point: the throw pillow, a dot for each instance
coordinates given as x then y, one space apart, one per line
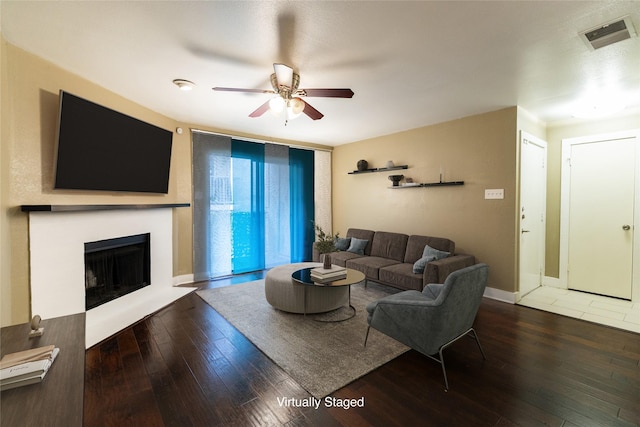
429 251
428 254
357 246
421 264
342 243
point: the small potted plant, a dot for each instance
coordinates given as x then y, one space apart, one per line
324 244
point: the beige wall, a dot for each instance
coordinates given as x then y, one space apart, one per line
555 134
480 150
30 88
5 257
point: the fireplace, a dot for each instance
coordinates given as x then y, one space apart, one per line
116 267
57 266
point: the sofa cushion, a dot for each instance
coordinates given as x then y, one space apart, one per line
369 265
341 258
363 234
342 243
357 246
401 276
389 245
416 245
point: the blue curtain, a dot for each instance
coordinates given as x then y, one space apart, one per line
301 175
253 205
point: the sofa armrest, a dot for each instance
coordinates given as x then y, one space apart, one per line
437 271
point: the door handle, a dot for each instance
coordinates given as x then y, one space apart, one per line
525 231
626 227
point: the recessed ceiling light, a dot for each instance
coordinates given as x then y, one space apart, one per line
184 84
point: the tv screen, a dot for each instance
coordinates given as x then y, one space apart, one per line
102 149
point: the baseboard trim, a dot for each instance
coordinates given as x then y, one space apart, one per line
500 295
183 279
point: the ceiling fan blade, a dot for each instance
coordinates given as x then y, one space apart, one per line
284 74
312 112
234 89
260 110
326 93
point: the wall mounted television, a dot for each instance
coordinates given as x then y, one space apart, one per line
102 149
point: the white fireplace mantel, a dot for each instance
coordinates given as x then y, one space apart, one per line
57 235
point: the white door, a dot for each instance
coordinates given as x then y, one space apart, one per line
601 215
533 190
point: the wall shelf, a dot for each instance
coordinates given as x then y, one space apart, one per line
428 184
395 168
82 208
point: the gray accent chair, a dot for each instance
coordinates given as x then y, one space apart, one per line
431 320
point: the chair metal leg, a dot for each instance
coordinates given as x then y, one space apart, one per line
444 371
440 360
475 337
366 336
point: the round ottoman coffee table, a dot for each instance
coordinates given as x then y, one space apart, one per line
286 295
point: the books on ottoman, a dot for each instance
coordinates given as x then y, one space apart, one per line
324 275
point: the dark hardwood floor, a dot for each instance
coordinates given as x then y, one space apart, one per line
187 366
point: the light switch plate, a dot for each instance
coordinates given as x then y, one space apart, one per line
494 193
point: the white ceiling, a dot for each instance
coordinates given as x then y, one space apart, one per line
410 64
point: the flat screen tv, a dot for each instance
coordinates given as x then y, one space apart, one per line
102 149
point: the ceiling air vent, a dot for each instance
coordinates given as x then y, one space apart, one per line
609 33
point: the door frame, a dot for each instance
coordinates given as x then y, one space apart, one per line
565 190
529 138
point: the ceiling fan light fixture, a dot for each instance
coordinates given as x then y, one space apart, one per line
183 84
276 104
295 107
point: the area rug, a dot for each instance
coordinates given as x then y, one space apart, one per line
321 357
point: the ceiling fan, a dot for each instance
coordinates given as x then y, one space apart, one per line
285 85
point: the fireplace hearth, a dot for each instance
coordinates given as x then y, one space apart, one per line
116 267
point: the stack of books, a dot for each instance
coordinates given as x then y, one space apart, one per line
26 367
326 275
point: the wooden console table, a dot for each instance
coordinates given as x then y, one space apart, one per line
58 399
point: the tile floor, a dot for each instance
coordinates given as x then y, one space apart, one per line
593 308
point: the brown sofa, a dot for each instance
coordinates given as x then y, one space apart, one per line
389 258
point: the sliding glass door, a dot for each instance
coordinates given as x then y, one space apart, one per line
253 205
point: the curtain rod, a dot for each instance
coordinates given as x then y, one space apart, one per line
261 141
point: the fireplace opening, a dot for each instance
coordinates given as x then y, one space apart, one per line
116 267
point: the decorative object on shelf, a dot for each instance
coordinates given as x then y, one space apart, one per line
379 169
390 164
363 165
396 179
408 180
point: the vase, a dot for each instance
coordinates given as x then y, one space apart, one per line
362 165
396 179
326 261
